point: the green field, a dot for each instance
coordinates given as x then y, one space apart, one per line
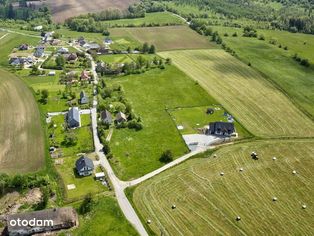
208 203
277 64
105 219
150 94
194 118
11 41
165 38
254 102
22 137
161 18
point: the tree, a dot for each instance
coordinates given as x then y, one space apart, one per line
44 96
166 157
106 148
145 48
60 61
87 204
70 139
152 49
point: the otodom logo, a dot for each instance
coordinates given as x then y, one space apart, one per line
32 222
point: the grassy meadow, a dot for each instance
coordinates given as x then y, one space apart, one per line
105 219
151 94
208 203
277 64
22 138
255 102
161 18
165 38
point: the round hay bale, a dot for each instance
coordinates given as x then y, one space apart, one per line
174 206
274 199
294 172
222 173
238 218
241 169
215 156
303 206
149 221
274 158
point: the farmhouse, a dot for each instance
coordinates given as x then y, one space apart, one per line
84 166
71 57
25 61
74 118
106 117
63 50
41 221
221 128
83 98
84 75
23 47
121 117
39 51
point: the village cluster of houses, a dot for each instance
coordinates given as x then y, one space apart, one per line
29 60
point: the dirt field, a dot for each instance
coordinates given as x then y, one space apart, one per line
63 9
255 103
166 38
22 138
208 203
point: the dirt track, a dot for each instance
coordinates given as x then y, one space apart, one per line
63 9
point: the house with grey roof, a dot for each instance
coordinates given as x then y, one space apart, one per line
84 166
39 51
221 128
121 117
106 117
83 98
74 118
38 222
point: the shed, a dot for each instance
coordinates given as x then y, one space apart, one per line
83 98
100 176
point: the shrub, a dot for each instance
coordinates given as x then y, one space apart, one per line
87 204
166 157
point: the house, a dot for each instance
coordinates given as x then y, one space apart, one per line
91 46
221 128
84 75
72 57
55 42
39 51
63 50
84 166
25 61
81 41
74 118
106 117
38 222
108 41
121 117
83 98
23 47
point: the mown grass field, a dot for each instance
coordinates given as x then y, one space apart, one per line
105 219
161 18
296 80
138 153
165 38
11 41
22 137
255 102
208 203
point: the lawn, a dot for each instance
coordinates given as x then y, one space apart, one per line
115 58
277 64
22 137
105 219
160 18
151 94
165 38
246 94
208 203
194 118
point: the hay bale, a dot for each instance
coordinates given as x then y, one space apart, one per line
274 199
215 155
222 173
149 221
303 206
174 206
274 158
241 169
294 172
238 218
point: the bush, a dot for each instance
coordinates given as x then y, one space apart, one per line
261 37
106 148
87 204
305 62
166 157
